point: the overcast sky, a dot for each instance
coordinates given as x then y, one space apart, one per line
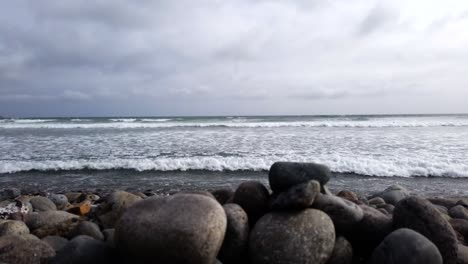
209 57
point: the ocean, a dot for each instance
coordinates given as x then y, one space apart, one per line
426 153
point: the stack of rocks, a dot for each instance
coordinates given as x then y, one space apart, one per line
297 220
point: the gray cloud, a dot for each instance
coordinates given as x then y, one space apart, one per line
217 57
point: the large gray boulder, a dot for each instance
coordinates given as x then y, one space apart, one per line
12 227
24 250
345 214
406 246
393 194
36 220
459 212
60 200
306 237
114 205
420 215
234 248
85 250
182 228
297 197
253 197
87 228
284 175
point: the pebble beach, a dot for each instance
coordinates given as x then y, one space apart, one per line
290 217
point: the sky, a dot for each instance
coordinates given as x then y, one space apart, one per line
243 57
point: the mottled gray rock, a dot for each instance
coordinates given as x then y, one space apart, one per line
297 197
387 207
223 195
376 201
60 200
41 204
345 214
342 252
24 250
459 212
460 226
12 227
284 175
182 228
114 205
306 237
253 197
36 220
406 246
9 193
348 195
234 248
420 215
446 202
87 228
85 250
56 242
393 194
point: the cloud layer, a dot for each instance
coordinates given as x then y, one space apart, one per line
214 57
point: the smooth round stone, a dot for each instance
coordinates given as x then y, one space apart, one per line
182 228
348 195
441 209
84 250
376 201
24 250
234 248
306 237
11 227
223 195
345 214
370 231
460 226
342 252
60 200
462 254
114 205
420 215
253 197
36 220
459 212
87 228
406 246
447 203
284 175
387 207
393 194
41 204
298 197
56 242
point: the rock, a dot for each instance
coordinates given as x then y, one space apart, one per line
253 197
376 201
13 210
109 212
441 209
447 203
63 229
459 212
234 248
298 197
84 250
284 175
41 204
348 195
387 207
9 194
182 228
342 252
370 231
223 195
393 194
109 236
460 226
306 236
11 227
60 200
345 214
462 254
24 250
73 197
87 228
420 215
55 242
36 220
463 202
406 246
81 209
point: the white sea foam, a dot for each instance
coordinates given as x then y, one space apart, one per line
364 166
155 119
123 119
